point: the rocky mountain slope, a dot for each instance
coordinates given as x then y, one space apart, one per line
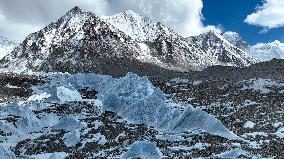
261 51
6 46
83 42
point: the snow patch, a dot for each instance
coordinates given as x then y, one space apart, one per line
249 125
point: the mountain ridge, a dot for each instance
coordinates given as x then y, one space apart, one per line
261 51
80 41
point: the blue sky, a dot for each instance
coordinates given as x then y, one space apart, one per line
230 14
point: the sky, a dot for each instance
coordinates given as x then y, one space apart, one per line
255 20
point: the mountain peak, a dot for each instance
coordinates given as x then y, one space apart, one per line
213 32
75 10
134 25
131 13
277 42
236 40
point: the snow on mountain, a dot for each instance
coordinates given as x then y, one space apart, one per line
136 26
261 51
268 51
221 51
78 41
163 44
159 44
6 46
236 40
83 42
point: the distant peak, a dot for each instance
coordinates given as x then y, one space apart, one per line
212 33
75 9
276 42
131 13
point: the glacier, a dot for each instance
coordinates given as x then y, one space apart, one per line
133 98
142 150
137 100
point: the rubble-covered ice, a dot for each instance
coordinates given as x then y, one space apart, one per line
132 97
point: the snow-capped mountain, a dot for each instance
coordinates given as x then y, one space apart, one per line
164 44
236 40
221 51
261 51
268 51
80 41
6 46
138 27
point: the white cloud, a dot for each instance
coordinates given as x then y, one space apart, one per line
270 15
183 16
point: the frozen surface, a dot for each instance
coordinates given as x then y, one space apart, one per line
72 138
5 153
137 100
132 97
68 124
142 150
280 132
68 93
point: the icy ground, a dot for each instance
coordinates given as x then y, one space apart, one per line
89 115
